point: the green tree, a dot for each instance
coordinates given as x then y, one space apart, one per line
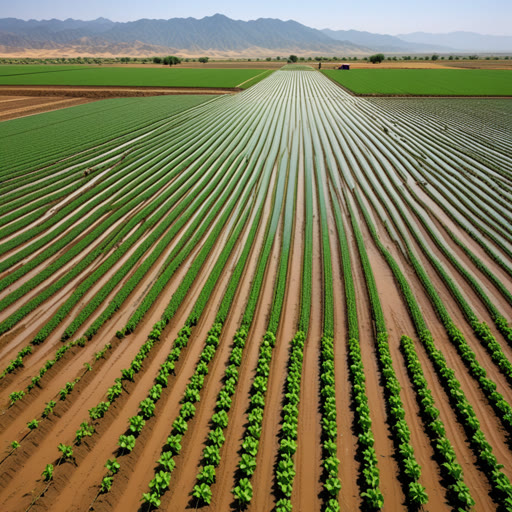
171 60
157 60
434 57
377 58
293 58
203 60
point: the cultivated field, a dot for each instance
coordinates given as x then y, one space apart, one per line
287 298
425 82
129 76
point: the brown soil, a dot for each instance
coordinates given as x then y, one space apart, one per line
422 64
62 96
27 106
402 64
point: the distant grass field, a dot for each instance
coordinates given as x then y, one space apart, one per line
296 67
429 82
136 77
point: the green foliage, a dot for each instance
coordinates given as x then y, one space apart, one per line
126 442
160 482
106 484
84 430
66 451
99 410
243 492
152 499
137 423
15 396
112 466
431 82
33 424
203 493
147 408
377 58
47 474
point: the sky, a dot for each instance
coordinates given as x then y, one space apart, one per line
380 16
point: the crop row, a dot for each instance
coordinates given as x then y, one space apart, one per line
410 469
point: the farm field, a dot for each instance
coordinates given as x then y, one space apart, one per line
130 76
287 298
425 82
12 107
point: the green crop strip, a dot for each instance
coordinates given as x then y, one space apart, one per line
425 82
447 376
411 470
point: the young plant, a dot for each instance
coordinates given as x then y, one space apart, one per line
243 492
106 484
203 493
66 450
47 474
112 466
126 442
33 424
136 424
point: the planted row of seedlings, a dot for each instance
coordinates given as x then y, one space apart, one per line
500 405
84 286
446 375
370 492
330 461
409 467
247 465
147 406
192 393
202 491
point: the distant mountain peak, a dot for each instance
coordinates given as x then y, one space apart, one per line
223 36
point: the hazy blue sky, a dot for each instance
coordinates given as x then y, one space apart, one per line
382 16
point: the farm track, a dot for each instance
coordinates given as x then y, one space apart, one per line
224 216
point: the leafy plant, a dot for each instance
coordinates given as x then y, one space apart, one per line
160 482
203 493
152 499
84 430
47 474
33 424
99 411
137 424
167 461
15 396
106 484
66 450
243 491
126 442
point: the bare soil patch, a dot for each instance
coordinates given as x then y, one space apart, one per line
22 106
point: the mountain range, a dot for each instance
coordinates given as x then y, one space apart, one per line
220 36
